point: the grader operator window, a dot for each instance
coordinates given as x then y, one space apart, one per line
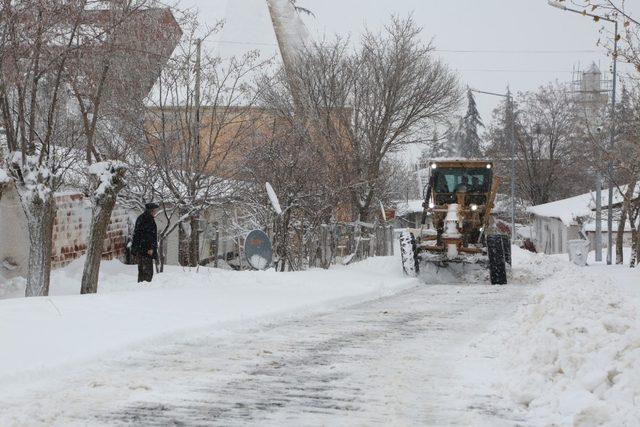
474 182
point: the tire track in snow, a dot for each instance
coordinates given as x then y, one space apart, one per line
392 361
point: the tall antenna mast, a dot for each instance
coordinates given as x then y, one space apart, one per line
290 31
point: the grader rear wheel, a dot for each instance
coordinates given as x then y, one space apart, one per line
497 261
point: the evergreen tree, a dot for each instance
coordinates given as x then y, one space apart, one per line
435 149
470 144
451 146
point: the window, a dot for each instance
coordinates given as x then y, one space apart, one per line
475 182
449 180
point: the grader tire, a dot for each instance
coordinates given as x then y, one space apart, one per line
497 261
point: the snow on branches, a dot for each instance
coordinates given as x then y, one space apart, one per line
110 176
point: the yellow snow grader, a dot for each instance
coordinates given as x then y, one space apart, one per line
457 229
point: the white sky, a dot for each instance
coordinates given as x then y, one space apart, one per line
520 43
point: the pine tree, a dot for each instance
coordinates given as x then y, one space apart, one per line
451 143
470 144
435 149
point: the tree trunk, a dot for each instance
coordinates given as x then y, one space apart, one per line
194 242
100 218
327 249
620 235
103 203
183 245
635 238
635 249
626 206
161 254
40 216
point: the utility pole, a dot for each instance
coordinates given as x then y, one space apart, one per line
194 240
611 145
510 130
197 103
598 18
598 216
512 136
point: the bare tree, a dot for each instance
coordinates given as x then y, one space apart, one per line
199 121
629 37
110 80
550 152
368 104
38 39
294 165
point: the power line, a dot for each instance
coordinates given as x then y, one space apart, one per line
500 51
528 52
500 70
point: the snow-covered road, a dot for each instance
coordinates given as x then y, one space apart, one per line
397 360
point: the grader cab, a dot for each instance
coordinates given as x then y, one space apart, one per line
457 227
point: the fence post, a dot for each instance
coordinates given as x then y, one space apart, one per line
382 236
389 240
326 251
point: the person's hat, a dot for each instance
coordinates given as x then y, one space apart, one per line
151 205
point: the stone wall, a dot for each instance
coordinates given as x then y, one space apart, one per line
71 228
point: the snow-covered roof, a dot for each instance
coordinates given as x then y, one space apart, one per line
570 210
458 159
410 206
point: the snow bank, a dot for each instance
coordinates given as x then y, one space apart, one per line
572 353
39 333
4 177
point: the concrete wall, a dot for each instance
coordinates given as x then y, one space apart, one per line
14 240
550 235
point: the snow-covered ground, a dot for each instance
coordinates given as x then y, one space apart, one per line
67 328
357 345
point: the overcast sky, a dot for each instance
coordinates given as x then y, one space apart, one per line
491 43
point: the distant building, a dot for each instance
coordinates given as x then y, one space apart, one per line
555 223
591 92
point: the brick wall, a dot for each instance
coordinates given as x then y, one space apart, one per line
71 228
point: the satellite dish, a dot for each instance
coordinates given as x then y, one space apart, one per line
258 250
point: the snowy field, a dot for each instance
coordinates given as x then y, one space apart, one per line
357 345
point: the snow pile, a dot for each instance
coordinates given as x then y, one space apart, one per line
572 354
4 177
66 328
258 262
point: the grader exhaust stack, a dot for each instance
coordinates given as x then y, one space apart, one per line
457 226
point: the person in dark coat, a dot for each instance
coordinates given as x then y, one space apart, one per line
145 242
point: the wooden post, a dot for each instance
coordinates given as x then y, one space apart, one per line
217 244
